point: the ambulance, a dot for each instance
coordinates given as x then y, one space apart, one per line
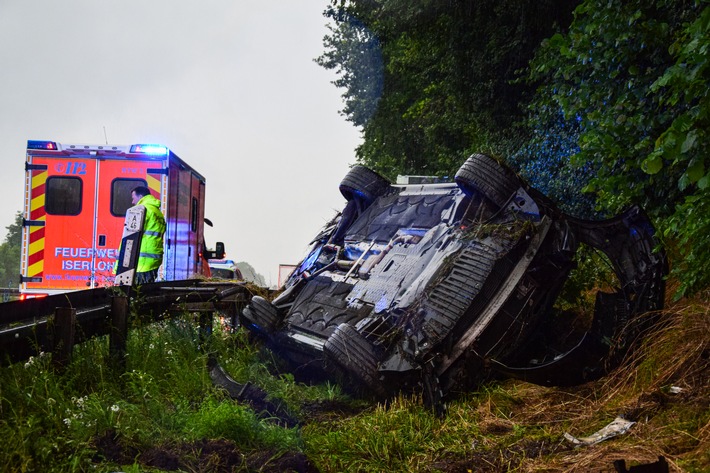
76 197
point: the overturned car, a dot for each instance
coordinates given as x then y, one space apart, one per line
436 287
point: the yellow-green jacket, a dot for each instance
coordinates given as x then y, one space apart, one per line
151 250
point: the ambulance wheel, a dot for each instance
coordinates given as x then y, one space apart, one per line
363 183
350 350
483 174
262 314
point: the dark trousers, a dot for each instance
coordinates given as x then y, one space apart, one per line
146 277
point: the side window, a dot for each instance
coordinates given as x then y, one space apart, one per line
121 195
193 216
63 195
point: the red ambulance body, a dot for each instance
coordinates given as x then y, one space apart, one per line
76 197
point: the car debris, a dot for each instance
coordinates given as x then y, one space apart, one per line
618 426
435 287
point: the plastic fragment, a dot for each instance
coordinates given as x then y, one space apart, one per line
618 427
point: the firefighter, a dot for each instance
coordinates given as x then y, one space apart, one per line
150 255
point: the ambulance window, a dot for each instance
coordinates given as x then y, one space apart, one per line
63 196
121 195
193 216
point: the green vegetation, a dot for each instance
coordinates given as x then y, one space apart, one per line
635 76
10 254
163 413
598 104
432 82
91 414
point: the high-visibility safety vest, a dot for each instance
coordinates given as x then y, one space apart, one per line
150 256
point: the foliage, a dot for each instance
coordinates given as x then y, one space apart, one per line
617 98
642 109
164 402
400 437
355 55
445 72
592 271
10 253
544 162
53 421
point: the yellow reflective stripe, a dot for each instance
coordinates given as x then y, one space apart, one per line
37 202
36 246
35 269
39 179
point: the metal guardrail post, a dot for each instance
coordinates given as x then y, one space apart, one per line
119 330
63 335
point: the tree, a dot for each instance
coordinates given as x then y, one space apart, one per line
643 112
615 104
355 55
445 74
10 253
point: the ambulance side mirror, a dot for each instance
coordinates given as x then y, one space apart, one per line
217 253
219 250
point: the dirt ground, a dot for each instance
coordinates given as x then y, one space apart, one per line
214 456
217 456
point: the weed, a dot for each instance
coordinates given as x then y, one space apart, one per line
162 413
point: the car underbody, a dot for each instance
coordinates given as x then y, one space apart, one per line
434 288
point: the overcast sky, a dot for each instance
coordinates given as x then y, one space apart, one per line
229 85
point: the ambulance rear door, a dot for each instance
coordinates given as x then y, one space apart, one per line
58 227
117 177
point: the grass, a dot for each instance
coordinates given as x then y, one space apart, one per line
51 421
163 413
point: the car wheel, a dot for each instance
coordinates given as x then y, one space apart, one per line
262 313
364 183
481 173
349 349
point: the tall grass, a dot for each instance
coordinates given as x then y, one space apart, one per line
664 387
67 421
52 421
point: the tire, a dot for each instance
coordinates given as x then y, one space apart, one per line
483 174
350 350
262 314
364 183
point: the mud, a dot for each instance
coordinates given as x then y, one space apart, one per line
214 456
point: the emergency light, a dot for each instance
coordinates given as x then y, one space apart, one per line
157 150
37 144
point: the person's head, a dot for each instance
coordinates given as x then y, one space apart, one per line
138 193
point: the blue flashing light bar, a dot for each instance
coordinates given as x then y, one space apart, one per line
154 150
38 144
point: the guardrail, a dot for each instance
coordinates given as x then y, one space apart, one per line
56 323
9 293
